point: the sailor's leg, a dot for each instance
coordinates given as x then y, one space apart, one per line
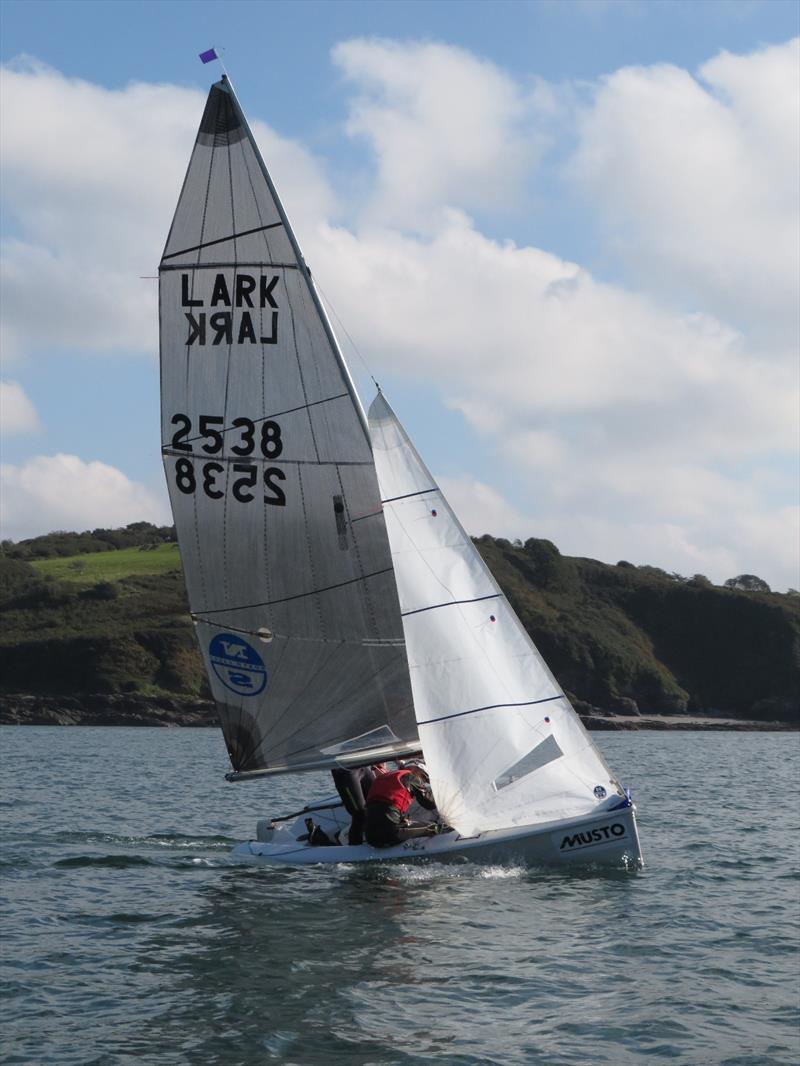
356 832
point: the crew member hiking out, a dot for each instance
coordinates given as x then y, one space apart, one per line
388 801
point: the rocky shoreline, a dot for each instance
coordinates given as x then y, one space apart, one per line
106 709
127 709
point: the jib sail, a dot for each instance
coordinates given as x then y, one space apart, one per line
502 744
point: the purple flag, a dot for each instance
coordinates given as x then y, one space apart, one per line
208 56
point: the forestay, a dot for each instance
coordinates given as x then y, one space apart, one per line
502 744
271 478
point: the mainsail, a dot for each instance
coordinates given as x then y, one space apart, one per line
272 479
502 744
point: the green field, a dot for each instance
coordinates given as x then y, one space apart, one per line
88 569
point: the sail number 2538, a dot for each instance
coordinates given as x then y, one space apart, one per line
242 480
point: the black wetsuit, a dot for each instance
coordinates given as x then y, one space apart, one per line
353 786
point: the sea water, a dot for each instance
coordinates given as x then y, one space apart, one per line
130 936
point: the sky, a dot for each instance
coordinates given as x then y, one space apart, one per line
564 236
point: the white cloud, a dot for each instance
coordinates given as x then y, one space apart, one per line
91 177
446 128
482 509
696 180
720 542
63 492
17 413
525 343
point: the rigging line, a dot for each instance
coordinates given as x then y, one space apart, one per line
343 327
221 240
299 595
491 707
451 603
408 495
361 517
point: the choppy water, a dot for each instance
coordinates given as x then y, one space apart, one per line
129 935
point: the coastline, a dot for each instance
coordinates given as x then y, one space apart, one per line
174 711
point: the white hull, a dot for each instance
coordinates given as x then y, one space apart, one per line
608 838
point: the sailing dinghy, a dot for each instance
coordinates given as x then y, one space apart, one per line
343 614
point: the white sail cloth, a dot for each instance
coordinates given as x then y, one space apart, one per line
502 744
271 478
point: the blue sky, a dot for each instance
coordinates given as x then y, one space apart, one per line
604 351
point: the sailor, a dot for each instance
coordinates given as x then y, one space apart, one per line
353 785
388 801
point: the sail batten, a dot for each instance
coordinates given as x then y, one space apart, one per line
268 464
222 240
490 707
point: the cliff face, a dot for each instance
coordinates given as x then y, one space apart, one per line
622 640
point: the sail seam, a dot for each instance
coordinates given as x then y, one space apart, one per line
246 163
491 707
221 240
197 541
408 495
301 375
265 522
368 642
216 457
227 264
451 603
300 595
357 550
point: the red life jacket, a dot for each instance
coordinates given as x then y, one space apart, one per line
390 790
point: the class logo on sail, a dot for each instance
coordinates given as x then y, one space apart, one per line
238 666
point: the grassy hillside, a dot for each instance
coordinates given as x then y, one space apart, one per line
132 634
621 639
87 570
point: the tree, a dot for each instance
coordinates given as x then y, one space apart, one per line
747 583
